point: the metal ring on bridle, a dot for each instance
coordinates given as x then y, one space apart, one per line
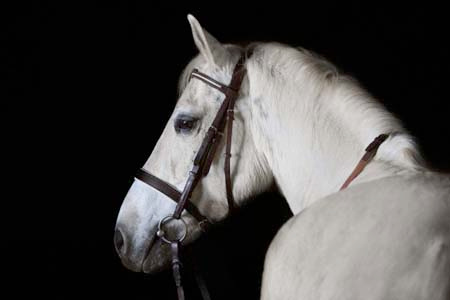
161 233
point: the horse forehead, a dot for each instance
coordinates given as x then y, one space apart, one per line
199 93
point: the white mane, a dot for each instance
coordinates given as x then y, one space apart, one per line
326 118
332 249
322 91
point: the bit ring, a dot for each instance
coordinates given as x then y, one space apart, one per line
161 233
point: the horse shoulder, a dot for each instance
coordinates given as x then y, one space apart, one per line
384 239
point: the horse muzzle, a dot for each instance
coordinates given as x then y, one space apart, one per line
134 256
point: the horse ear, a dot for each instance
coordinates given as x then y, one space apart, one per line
209 47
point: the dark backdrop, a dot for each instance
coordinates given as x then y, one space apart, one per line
89 87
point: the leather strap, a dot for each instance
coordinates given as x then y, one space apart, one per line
228 183
170 192
176 269
187 192
225 115
235 84
157 183
214 144
209 81
371 150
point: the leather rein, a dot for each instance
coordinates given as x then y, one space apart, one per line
202 163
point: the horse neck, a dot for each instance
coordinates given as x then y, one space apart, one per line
313 129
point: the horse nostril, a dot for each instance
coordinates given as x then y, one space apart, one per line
118 241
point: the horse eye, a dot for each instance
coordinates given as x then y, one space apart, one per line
185 124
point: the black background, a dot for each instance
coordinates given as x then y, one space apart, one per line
89 87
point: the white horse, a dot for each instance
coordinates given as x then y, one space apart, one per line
302 125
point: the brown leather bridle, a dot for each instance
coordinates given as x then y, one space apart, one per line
203 160
202 164
207 150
